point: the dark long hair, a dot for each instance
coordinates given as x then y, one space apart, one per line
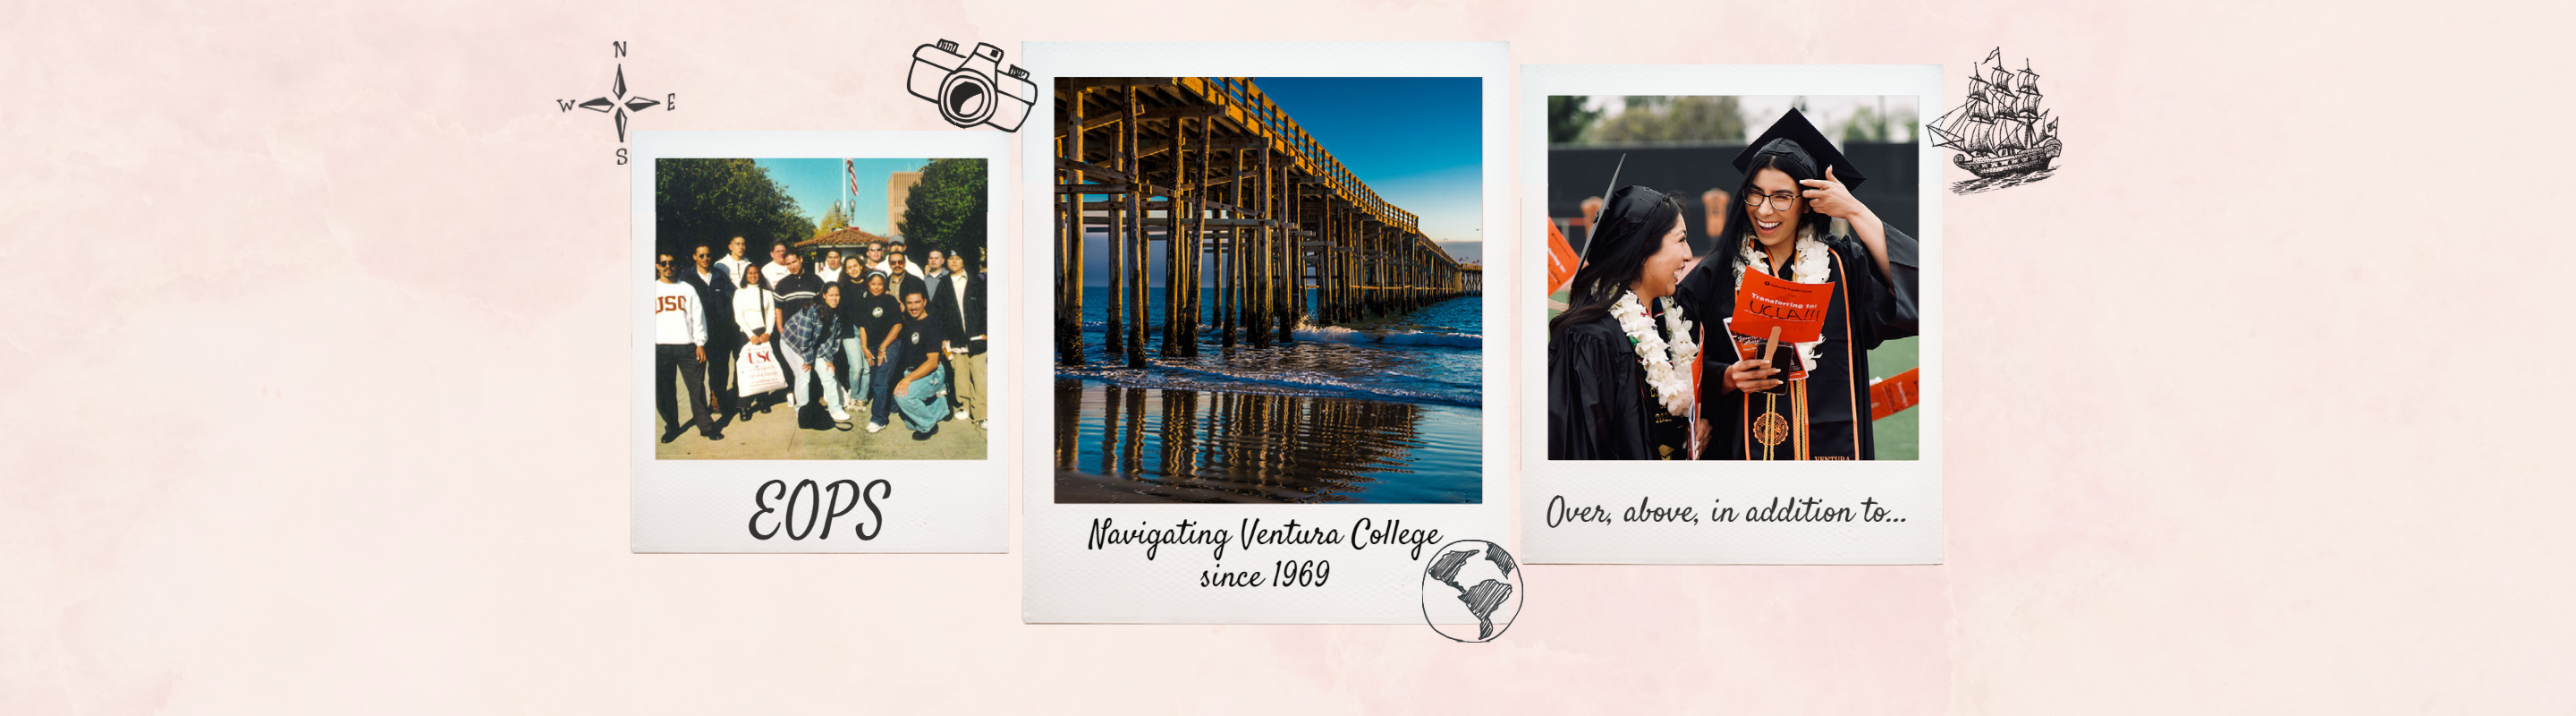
1631 229
1739 222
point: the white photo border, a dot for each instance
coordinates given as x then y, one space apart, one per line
1065 583
947 506
1914 486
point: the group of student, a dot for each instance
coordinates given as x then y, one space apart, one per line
871 329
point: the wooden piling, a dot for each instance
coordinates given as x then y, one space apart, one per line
1265 242
1135 249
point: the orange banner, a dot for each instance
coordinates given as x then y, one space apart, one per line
1560 259
1798 309
1893 395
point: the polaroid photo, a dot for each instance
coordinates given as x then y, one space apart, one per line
1675 202
1267 333
821 323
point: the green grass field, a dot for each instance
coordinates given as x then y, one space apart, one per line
1899 437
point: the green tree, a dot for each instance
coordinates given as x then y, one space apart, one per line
1674 119
1865 125
1567 118
948 210
710 201
833 220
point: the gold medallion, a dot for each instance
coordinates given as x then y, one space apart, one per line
1770 429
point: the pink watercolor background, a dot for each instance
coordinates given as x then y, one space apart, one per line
315 387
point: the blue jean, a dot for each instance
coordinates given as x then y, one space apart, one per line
880 384
923 405
856 374
927 402
797 375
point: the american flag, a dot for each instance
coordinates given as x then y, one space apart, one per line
850 170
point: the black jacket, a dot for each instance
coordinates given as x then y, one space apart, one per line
960 325
718 298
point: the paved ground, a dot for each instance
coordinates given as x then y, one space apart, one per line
774 436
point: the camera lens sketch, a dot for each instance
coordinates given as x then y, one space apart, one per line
972 89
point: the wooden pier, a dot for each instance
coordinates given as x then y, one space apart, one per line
1242 200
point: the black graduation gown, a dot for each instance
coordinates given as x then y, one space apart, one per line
1868 309
1598 404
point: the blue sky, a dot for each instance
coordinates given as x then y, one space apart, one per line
1417 141
816 183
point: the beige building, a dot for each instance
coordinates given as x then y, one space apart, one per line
898 188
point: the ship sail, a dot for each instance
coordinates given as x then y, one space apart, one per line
2027 85
2001 115
2000 128
1944 131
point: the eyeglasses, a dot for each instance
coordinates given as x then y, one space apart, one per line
1779 202
661 262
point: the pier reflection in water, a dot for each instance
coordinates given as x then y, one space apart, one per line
1125 444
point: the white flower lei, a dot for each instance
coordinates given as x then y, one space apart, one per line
1808 261
1672 387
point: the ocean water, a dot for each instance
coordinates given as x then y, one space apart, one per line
1387 409
1117 444
1432 355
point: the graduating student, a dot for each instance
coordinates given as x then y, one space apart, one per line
1618 358
679 351
1796 182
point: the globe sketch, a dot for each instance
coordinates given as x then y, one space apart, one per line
1471 582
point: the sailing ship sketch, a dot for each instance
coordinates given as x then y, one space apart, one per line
2001 133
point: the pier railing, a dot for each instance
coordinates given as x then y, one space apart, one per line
1244 201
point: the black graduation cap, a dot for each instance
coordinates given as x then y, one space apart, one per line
1794 137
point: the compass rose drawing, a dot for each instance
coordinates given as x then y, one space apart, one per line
610 104
618 103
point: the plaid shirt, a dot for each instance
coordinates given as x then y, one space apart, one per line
816 335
